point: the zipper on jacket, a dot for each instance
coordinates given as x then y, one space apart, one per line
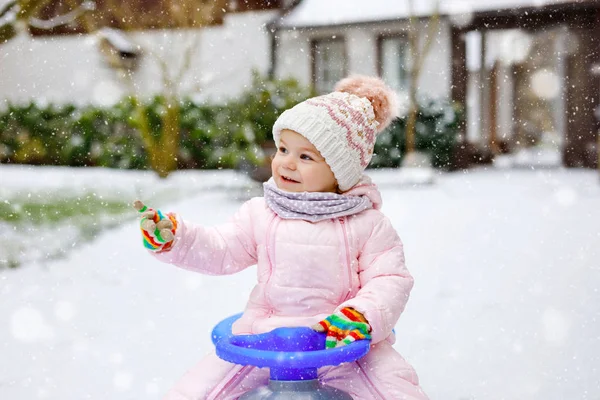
342 221
370 385
237 377
270 248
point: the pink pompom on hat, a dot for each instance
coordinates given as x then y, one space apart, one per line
344 124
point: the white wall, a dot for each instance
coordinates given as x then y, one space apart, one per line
293 53
505 102
293 56
436 77
362 51
71 69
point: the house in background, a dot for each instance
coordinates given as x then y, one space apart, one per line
526 71
66 65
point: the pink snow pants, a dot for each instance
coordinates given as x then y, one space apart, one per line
381 375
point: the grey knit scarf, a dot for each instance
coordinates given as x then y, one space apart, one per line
312 206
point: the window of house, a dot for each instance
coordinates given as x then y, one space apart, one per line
329 63
394 62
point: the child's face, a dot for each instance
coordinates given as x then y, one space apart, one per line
299 167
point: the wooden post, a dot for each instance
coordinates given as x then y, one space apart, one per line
596 82
484 93
493 109
582 100
459 74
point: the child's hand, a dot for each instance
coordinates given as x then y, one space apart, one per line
158 230
344 327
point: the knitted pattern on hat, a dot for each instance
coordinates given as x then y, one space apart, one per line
342 126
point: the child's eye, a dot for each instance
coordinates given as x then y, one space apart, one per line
282 149
306 157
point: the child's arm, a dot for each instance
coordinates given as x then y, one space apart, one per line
385 281
219 250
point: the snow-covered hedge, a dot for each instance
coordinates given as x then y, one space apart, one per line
436 132
212 136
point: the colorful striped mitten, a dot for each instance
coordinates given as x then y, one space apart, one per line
344 327
158 229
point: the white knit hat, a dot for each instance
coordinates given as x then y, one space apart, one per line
343 125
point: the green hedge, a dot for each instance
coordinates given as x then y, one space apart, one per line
212 136
436 131
67 135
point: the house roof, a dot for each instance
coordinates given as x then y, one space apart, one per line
5 3
140 14
8 12
320 13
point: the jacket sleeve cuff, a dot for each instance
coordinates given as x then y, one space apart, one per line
169 256
374 317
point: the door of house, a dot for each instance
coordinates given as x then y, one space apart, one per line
539 120
516 102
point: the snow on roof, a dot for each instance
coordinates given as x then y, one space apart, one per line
118 39
5 3
8 12
309 13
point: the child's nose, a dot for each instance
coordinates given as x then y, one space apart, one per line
290 164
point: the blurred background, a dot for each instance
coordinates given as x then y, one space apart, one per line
490 174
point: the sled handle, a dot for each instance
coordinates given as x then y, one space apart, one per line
290 353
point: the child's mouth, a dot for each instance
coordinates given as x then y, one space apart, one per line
289 180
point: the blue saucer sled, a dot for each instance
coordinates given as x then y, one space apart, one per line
292 355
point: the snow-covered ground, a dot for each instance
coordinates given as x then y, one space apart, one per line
25 184
505 305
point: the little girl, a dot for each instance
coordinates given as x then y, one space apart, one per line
326 256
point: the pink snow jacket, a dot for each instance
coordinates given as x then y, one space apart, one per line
306 271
